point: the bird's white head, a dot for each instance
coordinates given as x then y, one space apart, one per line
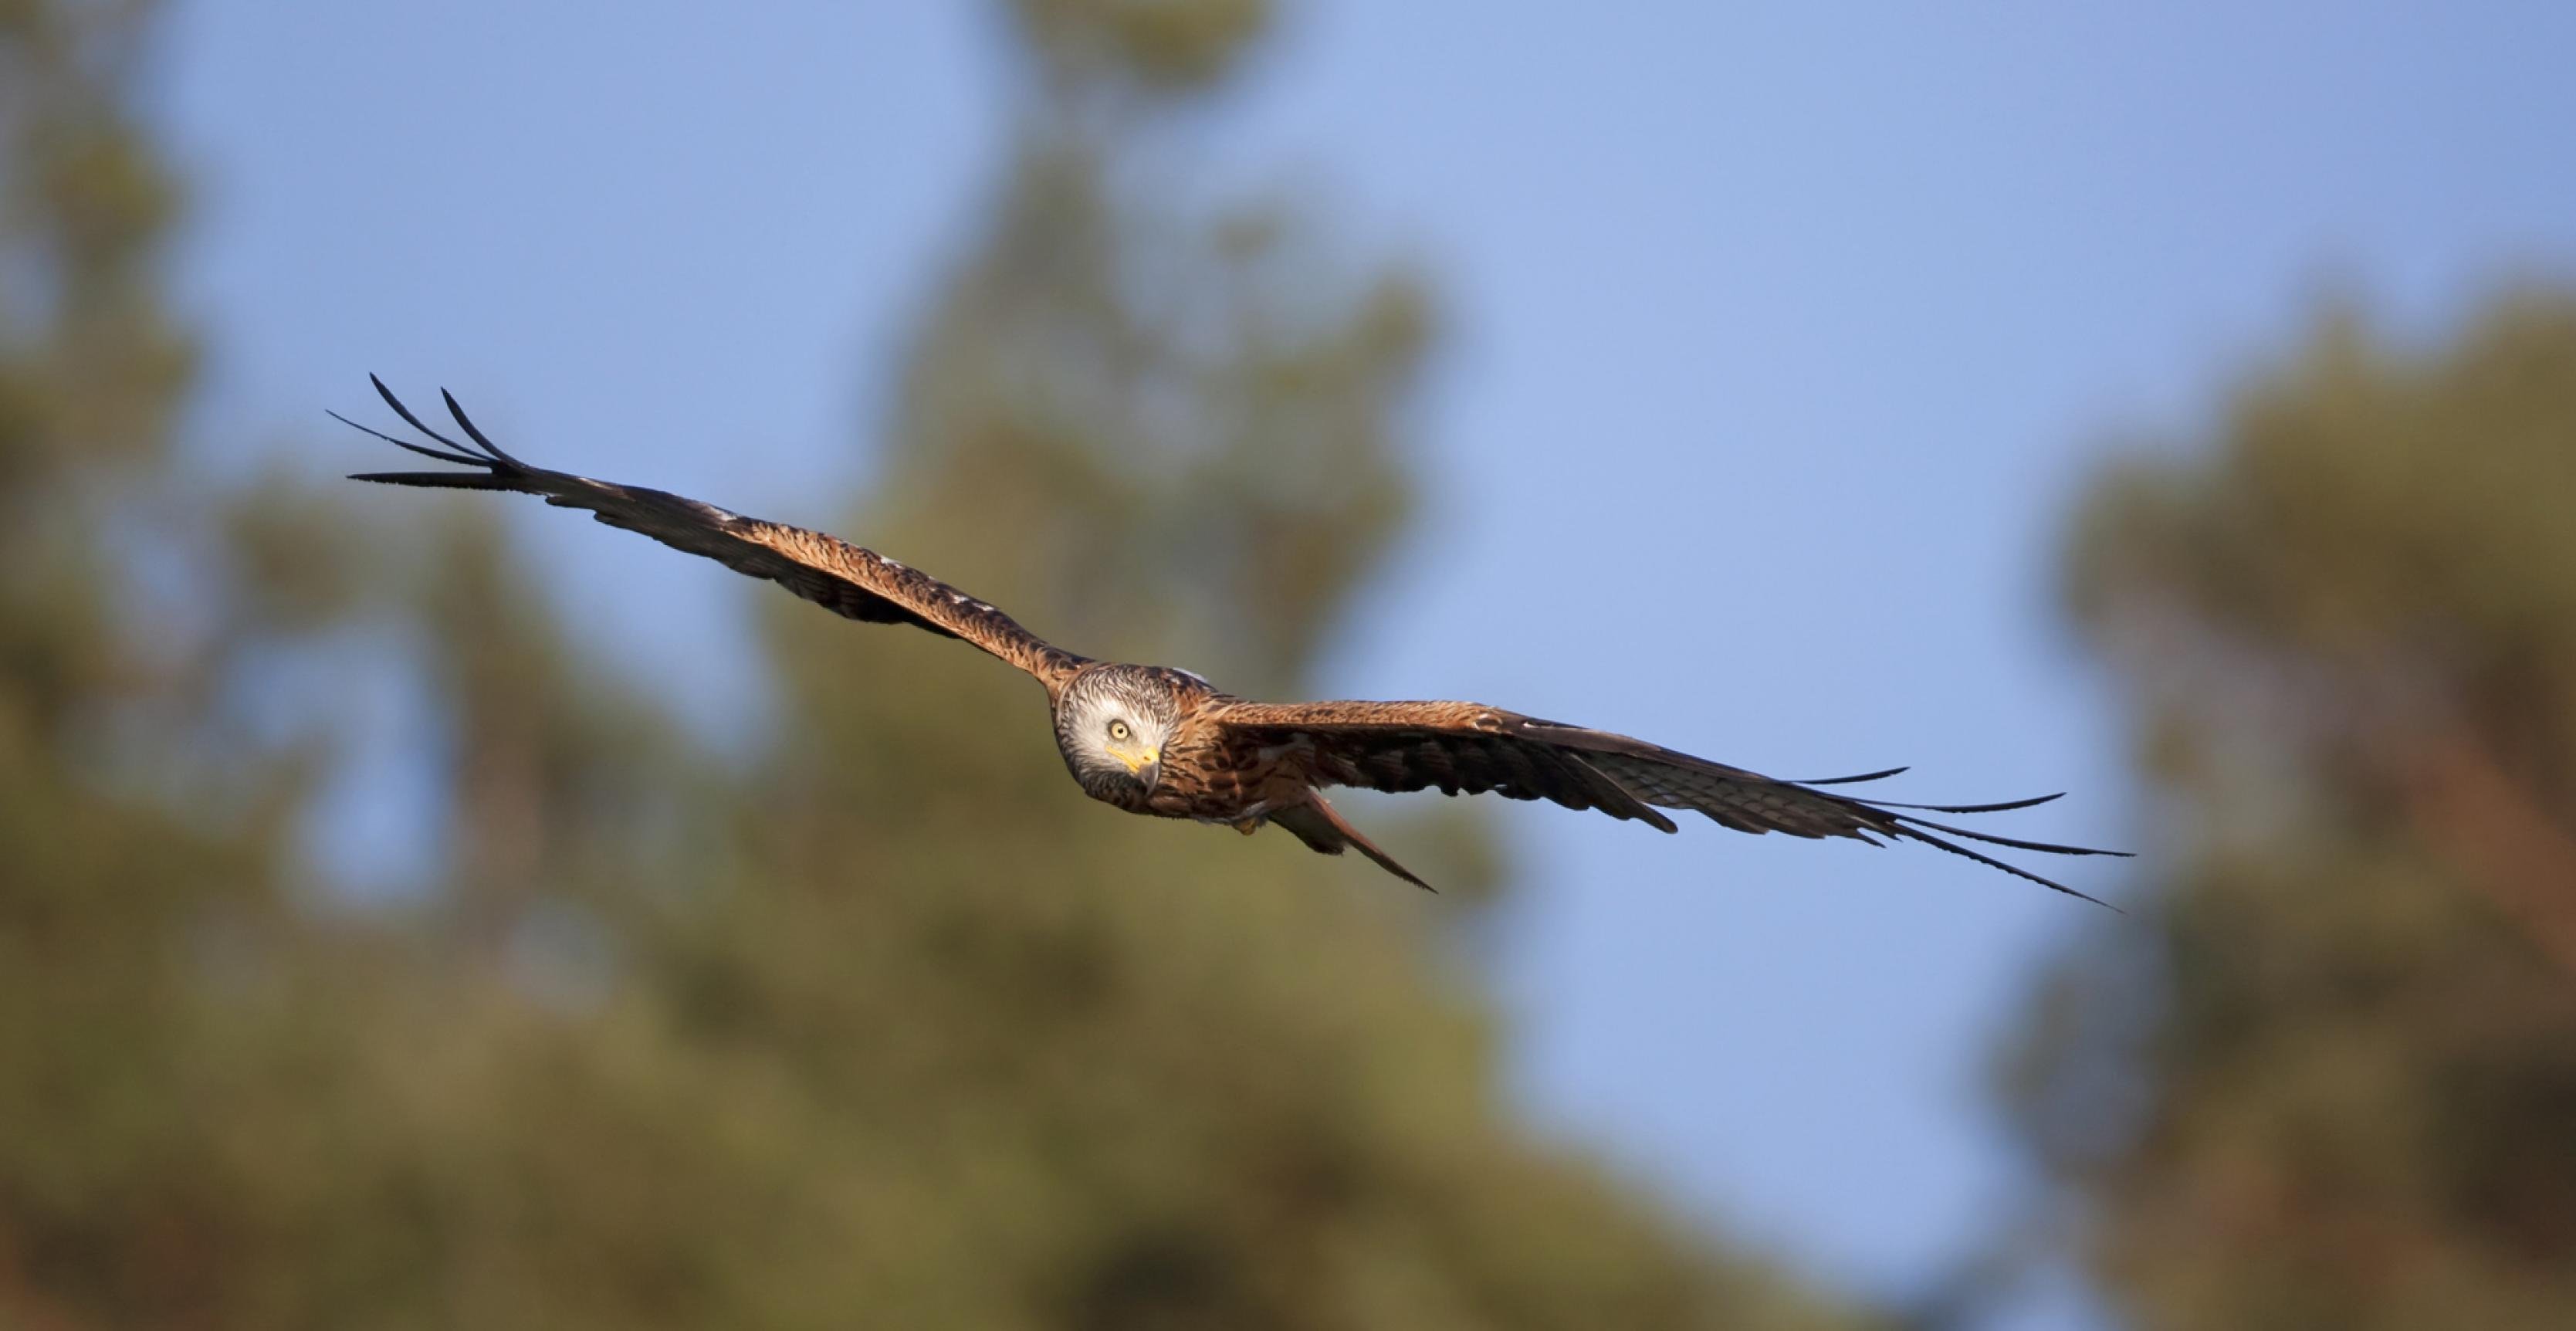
1112 725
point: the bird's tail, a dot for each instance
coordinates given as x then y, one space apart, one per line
1322 829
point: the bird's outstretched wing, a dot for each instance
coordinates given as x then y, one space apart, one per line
1468 748
823 569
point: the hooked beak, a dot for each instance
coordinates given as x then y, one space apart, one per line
1146 763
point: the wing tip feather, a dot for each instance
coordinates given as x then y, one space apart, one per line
1913 834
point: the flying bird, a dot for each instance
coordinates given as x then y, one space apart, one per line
1155 740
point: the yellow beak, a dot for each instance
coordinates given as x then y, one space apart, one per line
1137 762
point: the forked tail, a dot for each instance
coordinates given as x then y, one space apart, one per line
1322 829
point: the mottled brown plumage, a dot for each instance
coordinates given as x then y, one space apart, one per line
1158 741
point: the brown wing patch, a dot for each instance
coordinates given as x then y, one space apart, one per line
863 584
1456 748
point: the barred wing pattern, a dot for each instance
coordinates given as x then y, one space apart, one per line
826 570
1468 748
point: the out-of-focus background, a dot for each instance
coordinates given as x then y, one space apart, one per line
426 910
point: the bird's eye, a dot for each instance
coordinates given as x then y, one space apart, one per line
1118 731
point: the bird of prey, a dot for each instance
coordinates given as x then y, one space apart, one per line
1160 741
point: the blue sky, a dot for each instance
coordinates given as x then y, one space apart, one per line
1785 332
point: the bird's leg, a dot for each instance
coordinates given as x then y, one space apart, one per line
1248 826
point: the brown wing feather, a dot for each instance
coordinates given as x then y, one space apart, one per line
1406 746
1469 748
826 570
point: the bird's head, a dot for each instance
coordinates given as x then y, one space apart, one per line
1112 725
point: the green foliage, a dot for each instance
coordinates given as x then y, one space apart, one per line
1169 46
2328 1080
886 1027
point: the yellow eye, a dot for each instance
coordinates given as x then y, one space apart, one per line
1118 731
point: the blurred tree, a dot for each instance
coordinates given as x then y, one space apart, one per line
2329 1082
117 856
892 1028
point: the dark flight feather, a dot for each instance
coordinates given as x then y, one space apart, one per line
844 578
